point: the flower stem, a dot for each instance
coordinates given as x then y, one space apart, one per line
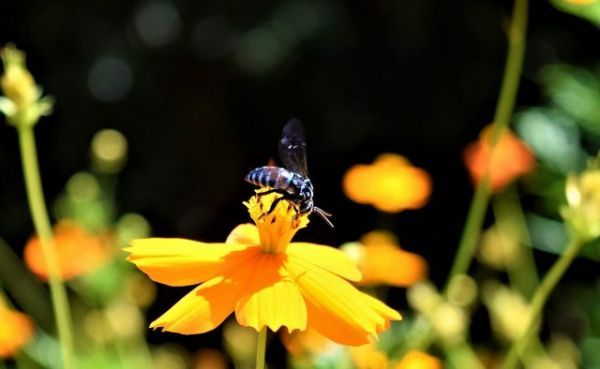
522 272
261 348
539 300
41 222
502 116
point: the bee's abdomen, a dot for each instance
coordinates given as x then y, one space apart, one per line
272 177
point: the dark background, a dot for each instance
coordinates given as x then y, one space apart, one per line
202 89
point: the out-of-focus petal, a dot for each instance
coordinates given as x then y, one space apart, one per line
16 329
357 183
368 357
179 262
418 360
509 159
271 299
325 257
391 184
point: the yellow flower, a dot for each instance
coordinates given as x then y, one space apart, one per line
16 329
419 360
378 256
390 184
266 280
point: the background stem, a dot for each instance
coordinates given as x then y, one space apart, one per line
502 116
43 229
539 300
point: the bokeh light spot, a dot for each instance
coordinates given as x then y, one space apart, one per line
109 149
110 79
157 23
259 50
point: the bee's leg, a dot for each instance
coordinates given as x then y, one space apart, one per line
275 203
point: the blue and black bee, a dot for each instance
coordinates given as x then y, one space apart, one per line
291 182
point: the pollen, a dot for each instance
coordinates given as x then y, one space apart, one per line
276 226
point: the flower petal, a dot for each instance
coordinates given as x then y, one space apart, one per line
325 257
179 262
336 309
244 234
205 307
271 300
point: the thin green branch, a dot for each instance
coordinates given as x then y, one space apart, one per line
43 229
539 300
502 116
522 271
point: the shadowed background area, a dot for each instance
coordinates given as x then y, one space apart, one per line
201 92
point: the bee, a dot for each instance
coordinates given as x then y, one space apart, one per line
291 182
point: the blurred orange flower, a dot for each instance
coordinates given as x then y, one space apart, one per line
419 360
267 280
210 359
16 329
390 184
309 341
368 357
382 261
78 251
510 158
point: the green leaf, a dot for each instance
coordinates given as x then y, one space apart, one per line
590 11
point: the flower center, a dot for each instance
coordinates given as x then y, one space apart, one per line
276 226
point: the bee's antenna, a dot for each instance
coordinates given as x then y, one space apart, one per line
323 214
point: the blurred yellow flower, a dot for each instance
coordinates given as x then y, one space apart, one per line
507 310
418 360
382 261
78 251
16 329
390 184
583 203
266 280
510 158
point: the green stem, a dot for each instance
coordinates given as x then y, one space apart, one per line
522 272
462 356
471 231
539 300
502 116
261 348
41 222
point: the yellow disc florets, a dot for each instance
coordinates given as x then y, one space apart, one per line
276 226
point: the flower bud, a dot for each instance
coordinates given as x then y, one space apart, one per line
582 212
22 103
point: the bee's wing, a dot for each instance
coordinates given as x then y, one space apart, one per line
292 147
